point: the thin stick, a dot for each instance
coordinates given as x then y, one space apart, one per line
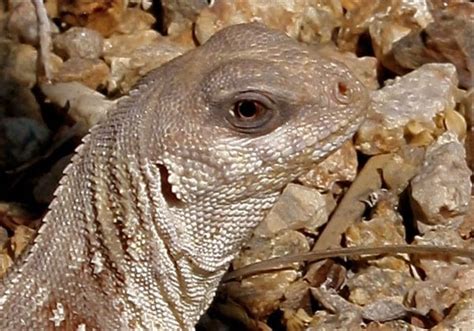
284 261
44 35
352 207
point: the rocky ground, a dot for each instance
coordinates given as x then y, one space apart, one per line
404 179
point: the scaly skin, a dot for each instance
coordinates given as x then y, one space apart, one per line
161 195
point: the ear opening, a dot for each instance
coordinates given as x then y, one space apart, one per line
166 188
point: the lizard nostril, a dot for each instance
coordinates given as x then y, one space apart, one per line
342 92
342 88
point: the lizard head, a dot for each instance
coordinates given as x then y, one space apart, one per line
252 109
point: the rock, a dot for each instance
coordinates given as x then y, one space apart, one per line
414 99
384 310
307 20
14 214
429 296
92 73
374 283
448 39
467 109
445 270
294 320
130 58
460 316
134 20
466 229
386 22
17 100
344 315
327 274
384 228
402 18
180 14
21 139
445 169
397 325
19 62
259 249
5 262
298 208
323 321
341 166
103 15
86 106
22 64
3 9
230 312
185 8
22 23
52 8
79 42
122 45
261 294
21 239
297 296
144 4
3 238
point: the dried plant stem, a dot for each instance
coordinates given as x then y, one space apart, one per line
352 206
44 34
285 261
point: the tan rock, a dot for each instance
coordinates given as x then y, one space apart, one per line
103 15
79 42
374 283
445 270
445 168
19 62
22 23
91 73
17 100
460 316
179 15
134 20
447 39
307 20
86 106
417 97
298 208
131 58
341 166
386 22
261 294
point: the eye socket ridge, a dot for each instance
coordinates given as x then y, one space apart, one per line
251 112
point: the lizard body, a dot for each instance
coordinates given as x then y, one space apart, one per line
161 195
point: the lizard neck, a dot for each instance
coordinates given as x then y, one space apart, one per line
183 250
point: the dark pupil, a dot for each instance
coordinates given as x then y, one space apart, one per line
247 109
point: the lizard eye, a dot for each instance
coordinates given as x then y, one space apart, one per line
250 113
248 110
